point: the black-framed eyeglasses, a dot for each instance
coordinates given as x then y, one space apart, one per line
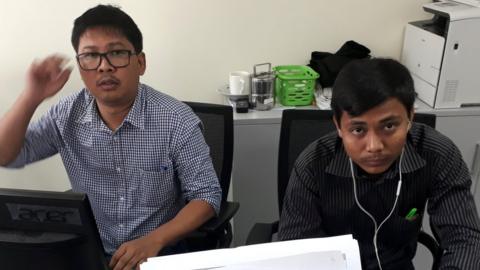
116 58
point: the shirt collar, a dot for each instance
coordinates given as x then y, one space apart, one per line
90 108
411 161
135 116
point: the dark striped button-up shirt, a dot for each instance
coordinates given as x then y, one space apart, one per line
137 177
319 201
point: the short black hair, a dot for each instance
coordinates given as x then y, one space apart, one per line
110 17
365 83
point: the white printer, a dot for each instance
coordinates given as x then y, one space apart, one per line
443 55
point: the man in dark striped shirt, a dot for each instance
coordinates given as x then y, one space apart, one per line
373 177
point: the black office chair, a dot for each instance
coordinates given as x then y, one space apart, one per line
299 128
218 132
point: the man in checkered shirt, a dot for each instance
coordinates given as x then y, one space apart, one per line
139 154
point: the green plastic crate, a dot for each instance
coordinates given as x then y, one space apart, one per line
295 85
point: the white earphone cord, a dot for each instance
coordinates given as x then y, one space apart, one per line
377 229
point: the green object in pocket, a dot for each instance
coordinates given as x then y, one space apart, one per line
412 215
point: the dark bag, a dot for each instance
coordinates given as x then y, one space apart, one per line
328 65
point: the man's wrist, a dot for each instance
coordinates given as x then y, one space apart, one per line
157 239
29 99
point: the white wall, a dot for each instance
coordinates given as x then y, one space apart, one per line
191 45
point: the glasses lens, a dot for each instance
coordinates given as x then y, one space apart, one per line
89 60
119 58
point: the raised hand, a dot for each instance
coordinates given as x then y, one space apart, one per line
46 77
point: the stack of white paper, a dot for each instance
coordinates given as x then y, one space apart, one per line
475 3
331 260
340 252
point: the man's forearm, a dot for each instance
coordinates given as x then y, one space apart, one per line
13 126
192 216
44 79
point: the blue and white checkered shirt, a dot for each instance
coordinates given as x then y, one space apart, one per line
136 177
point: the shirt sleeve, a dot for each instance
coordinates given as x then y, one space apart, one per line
194 167
453 213
42 140
300 217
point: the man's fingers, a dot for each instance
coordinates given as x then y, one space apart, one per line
127 262
116 256
56 60
63 76
135 262
49 68
122 262
54 64
140 262
130 265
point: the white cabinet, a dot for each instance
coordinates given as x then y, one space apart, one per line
464 132
254 173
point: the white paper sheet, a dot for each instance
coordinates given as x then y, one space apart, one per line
245 254
331 260
475 3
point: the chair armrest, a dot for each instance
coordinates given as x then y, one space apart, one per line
227 211
433 246
262 233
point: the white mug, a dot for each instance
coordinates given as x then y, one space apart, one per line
239 83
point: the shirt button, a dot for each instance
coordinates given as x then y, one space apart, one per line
115 138
121 225
119 169
122 198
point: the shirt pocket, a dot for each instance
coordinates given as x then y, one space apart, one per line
158 188
401 230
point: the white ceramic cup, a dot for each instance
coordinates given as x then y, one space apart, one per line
239 82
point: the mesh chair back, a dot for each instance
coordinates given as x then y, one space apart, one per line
425 118
218 132
299 128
